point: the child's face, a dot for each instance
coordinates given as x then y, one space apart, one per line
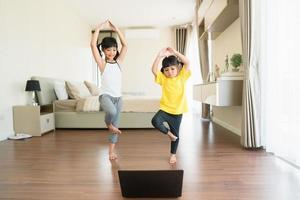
171 71
110 53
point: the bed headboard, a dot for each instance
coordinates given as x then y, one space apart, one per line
47 94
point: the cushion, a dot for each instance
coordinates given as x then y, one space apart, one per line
88 104
60 90
94 90
77 90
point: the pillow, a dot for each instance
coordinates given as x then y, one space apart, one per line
77 90
94 90
88 104
60 90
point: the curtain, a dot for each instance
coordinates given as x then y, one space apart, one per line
203 50
192 53
181 39
204 63
249 15
280 78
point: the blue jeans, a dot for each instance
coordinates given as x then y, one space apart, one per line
112 107
173 121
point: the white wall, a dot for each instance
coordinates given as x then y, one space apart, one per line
42 38
229 42
143 47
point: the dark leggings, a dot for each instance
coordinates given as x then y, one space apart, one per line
173 121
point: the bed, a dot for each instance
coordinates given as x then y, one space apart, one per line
137 111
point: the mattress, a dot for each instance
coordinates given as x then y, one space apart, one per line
130 104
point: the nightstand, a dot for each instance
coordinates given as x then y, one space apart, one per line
33 120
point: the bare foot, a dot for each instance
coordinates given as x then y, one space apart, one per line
112 156
173 159
114 129
172 137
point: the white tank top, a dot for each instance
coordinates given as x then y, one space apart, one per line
111 80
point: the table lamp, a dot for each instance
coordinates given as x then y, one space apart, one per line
33 86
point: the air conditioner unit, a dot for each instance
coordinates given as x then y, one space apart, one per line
149 33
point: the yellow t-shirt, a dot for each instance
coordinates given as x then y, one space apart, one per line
173 99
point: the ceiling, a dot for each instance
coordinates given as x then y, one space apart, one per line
135 13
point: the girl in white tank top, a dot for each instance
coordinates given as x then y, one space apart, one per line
111 79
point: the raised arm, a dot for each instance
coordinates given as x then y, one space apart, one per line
157 60
182 58
124 47
100 61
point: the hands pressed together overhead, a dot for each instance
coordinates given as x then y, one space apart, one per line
167 52
106 24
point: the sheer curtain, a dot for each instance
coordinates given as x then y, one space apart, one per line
280 78
192 53
250 22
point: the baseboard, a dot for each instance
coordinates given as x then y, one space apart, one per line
3 137
226 125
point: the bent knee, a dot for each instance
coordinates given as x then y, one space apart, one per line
112 112
155 122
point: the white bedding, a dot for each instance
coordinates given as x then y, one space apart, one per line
88 104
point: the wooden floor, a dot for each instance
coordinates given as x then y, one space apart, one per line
73 164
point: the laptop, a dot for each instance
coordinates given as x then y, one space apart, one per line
151 183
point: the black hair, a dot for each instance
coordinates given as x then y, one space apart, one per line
106 43
170 61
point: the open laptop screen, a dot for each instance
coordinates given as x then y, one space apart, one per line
151 183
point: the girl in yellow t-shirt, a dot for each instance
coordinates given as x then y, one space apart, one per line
173 103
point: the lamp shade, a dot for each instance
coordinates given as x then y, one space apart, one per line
33 85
